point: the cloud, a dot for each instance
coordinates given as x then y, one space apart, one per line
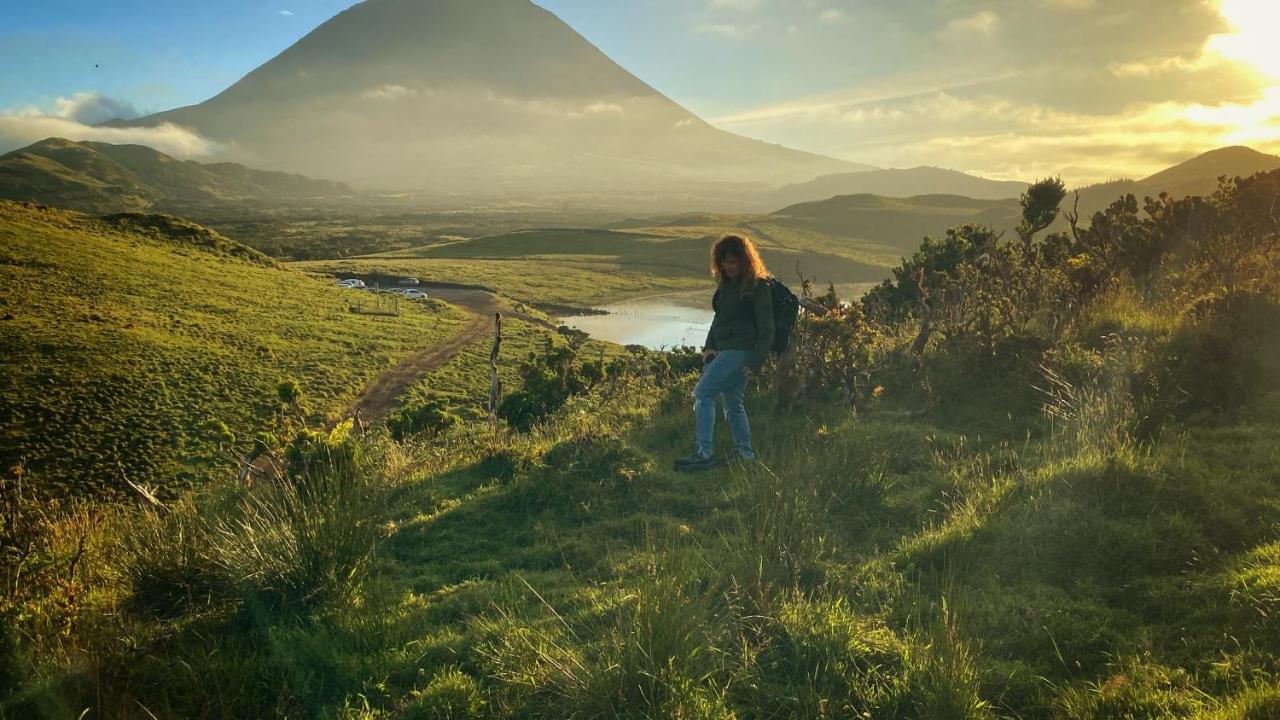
388 93
831 16
983 24
744 5
1162 66
1033 140
18 130
603 108
90 108
732 30
286 13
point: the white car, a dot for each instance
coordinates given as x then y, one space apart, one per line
415 295
351 283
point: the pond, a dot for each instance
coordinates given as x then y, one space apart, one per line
657 322
665 321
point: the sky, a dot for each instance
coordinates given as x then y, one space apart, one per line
1011 89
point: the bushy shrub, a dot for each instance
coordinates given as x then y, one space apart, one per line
547 382
431 415
335 453
1226 351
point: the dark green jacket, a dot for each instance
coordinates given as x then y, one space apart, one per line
743 321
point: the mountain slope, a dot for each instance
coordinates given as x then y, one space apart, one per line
902 183
129 338
493 96
895 223
1197 176
100 177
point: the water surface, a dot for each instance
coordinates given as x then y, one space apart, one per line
667 321
658 322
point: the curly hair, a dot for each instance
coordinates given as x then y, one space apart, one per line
744 250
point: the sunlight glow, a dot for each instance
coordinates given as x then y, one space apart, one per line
1254 38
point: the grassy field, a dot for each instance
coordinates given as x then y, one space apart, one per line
589 268
126 344
542 283
871 566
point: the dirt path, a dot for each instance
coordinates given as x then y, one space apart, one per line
379 396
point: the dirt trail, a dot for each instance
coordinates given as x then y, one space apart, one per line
379 396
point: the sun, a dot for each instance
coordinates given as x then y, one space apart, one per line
1253 37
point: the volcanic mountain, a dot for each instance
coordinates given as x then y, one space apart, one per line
476 96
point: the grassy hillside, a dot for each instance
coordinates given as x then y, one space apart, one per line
547 284
128 339
895 223
1197 176
100 177
1023 480
590 267
875 566
900 183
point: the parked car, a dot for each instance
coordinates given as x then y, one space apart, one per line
352 283
409 282
415 295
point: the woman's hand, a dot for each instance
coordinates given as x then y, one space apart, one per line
708 355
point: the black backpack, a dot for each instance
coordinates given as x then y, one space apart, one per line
786 306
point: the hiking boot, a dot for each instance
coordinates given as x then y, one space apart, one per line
696 462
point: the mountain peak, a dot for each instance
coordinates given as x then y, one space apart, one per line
481 96
1232 161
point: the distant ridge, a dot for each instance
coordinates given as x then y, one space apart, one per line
1197 176
897 224
491 97
104 178
902 183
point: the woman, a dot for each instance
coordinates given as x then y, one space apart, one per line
737 344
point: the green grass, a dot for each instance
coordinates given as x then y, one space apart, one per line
545 283
585 267
125 342
870 566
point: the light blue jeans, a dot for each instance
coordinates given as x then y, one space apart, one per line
722 377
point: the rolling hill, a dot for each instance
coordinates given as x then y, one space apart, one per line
1197 176
497 98
898 183
132 340
102 178
897 224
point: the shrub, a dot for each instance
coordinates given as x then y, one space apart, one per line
547 382
431 415
1226 352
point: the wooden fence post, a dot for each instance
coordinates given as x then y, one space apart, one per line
495 384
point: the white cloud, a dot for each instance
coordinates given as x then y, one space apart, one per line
732 30
89 108
942 128
982 24
831 16
603 108
388 93
744 5
286 13
18 130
